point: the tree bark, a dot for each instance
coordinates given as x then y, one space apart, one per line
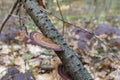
72 64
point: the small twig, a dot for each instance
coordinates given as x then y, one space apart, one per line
92 33
61 17
71 24
21 20
9 15
18 12
23 25
18 7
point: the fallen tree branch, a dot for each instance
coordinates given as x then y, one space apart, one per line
72 64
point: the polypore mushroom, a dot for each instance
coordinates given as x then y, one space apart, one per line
62 72
40 40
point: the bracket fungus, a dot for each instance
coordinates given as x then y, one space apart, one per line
40 40
62 72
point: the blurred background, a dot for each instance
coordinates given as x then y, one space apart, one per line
100 55
74 9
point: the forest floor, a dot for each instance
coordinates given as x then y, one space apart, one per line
99 53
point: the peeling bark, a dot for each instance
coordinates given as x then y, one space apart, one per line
72 64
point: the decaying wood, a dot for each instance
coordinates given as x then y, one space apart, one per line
72 64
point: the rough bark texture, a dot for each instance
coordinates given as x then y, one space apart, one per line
67 56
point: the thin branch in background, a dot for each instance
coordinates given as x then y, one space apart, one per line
92 33
9 14
61 17
21 20
23 24
71 23
26 30
18 12
18 7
